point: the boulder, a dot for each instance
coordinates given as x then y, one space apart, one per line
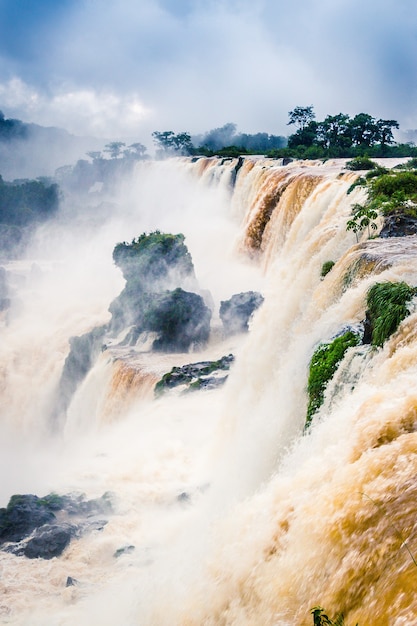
151 264
180 318
29 527
23 514
398 226
194 376
49 541
236 312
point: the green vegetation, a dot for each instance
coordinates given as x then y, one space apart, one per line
151 255
194 376
323 365
391 193
321 619
24 204
387 307
362 217
361 163
170 144
341 136
326 267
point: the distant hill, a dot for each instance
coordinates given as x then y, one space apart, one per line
30 150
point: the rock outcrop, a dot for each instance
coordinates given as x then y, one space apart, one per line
30 526
236 312
194 376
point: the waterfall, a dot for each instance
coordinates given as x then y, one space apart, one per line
226 510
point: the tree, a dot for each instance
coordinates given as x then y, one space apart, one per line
335 131
135 151
364 130
114 148
168 143
305 136
385 131
301 116
95 156
362 217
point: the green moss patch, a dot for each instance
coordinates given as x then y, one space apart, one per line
323 365
387 307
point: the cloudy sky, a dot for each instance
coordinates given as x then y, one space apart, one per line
122 68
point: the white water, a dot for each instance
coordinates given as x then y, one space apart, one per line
275 521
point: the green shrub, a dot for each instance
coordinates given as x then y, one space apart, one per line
388 184
323 365
387 307
326 267
361 163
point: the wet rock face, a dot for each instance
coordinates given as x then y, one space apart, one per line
152 265
30 527
23 514
180 318
398 226
4 291
195 376
236 312
49 541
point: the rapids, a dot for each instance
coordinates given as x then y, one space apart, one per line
236 514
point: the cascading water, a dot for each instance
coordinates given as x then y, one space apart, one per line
236 514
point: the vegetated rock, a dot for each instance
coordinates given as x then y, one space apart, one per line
201 375
155 260
388 304
49 541
29 526
398 226
180 318
323 365
23 514
151 264
236 312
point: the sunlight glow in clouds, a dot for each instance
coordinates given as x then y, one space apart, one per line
80 111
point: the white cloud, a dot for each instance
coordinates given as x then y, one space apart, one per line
81 111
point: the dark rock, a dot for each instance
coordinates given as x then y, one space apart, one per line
201 375
71 582
180 318
207 383
23 514
83 352
398 226
367 330
49 541
236 312
151 265
77 505
124 550
4 290
239 164
30 522
183 497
